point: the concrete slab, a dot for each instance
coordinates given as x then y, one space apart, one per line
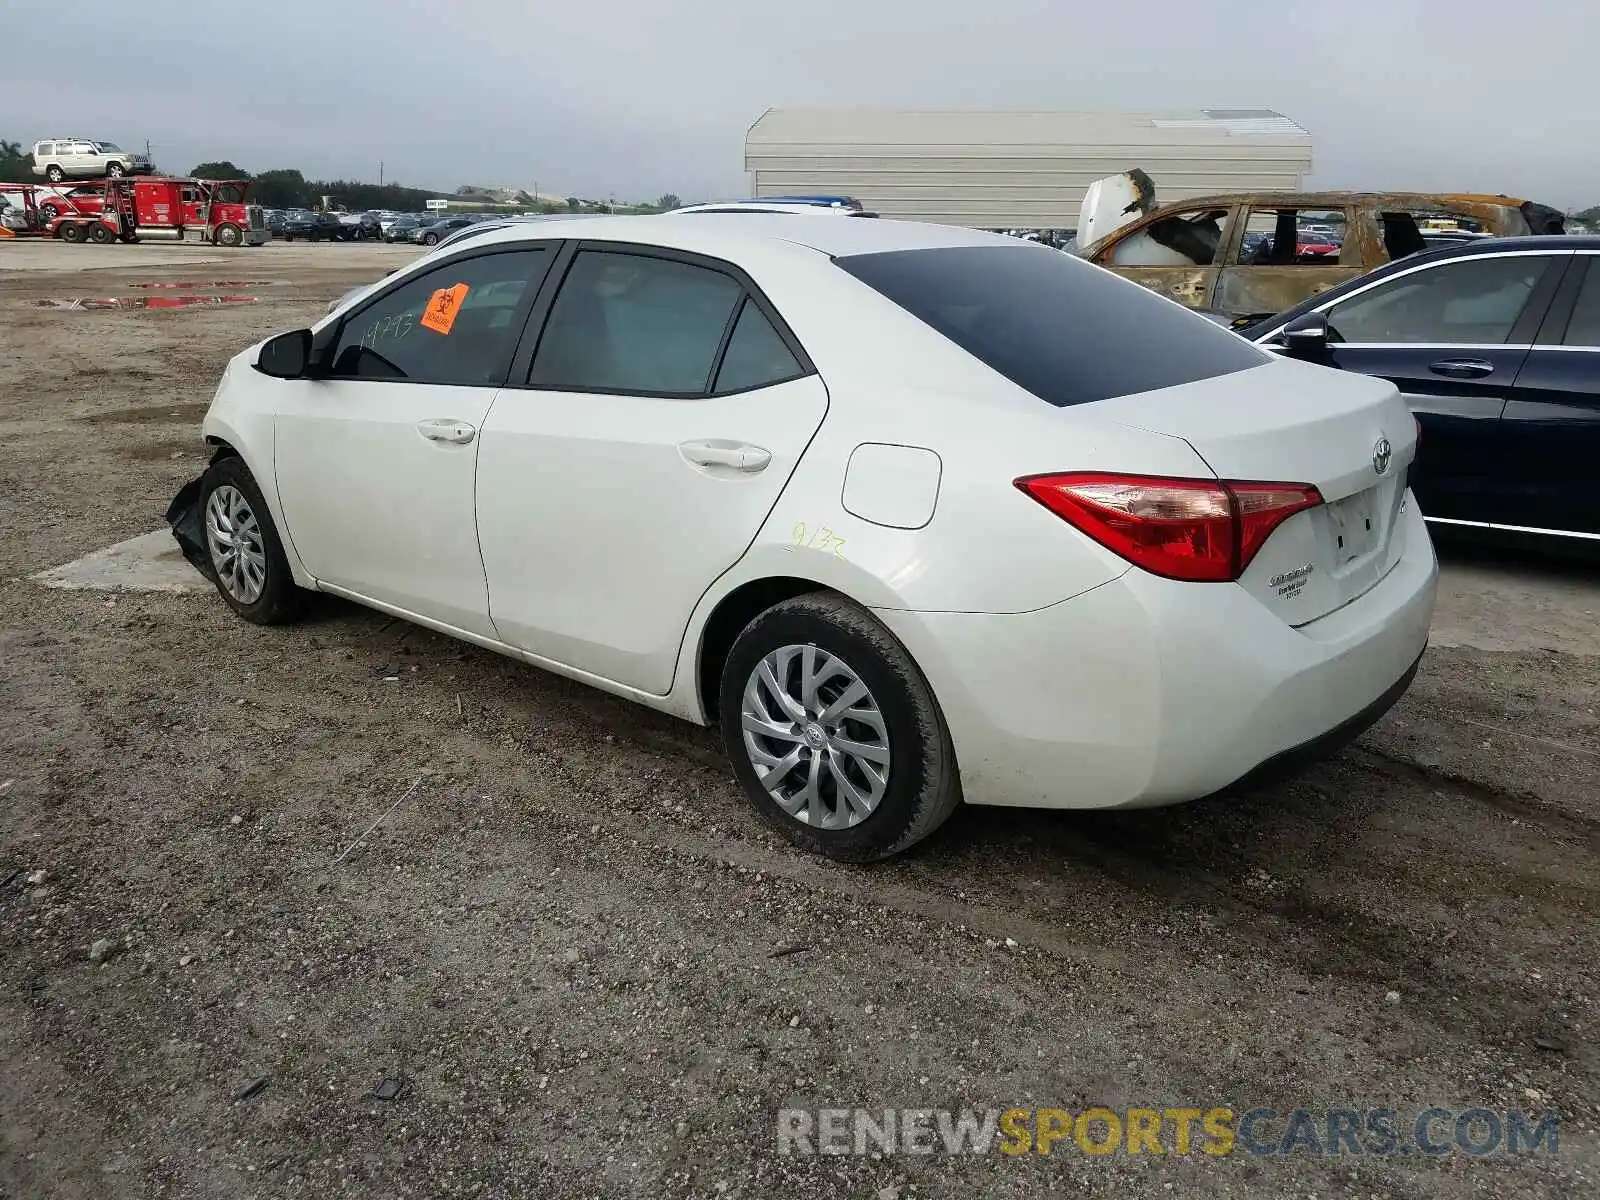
244 261
150 562
60 256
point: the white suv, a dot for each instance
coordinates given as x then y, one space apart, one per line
83 158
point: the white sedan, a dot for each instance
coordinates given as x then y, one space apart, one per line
916 514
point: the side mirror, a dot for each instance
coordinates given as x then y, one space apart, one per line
1306 336
286 356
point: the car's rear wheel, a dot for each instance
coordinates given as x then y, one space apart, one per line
242 543
833 731
72 231
101 234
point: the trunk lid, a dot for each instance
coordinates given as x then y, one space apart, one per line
1350 436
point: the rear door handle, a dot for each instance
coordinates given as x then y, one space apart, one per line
715 452
1462 368
447 429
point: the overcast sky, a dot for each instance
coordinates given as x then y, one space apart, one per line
640 97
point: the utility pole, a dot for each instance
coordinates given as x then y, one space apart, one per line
380 172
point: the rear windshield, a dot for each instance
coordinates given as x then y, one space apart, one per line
1066 331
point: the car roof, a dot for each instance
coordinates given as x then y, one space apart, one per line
1332 200
712 231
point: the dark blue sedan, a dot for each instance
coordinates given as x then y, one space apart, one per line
1495 345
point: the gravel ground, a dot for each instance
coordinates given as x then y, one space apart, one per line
595 972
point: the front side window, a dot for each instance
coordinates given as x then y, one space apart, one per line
630 323
456 324
1184 239
1472 301
108 148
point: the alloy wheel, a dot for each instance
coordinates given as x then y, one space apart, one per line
816 737
233 537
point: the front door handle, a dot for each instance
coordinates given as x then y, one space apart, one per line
447 429
1462 368
715 452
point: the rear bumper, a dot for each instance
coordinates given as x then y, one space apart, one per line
1146 691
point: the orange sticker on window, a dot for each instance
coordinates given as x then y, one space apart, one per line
440 315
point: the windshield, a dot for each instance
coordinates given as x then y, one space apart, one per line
108 147
1068 332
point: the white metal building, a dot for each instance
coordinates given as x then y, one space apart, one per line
1016 170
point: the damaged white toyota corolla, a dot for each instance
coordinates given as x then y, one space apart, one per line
918 515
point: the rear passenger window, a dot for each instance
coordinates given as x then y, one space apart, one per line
1584 327
630 323
756 355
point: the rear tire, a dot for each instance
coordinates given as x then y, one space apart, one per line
252 574
71 232
867 780
100 235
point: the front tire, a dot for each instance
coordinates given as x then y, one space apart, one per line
229 235
834 733
431 239
114 170
54 174
247 559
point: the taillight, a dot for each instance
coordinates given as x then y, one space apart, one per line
1201 530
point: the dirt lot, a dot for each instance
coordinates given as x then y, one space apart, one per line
568 937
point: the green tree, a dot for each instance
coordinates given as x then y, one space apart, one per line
665 203
282 188
15 166
219 170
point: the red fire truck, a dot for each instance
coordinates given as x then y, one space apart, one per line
129 208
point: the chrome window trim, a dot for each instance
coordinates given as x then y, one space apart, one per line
1568 533
1351 295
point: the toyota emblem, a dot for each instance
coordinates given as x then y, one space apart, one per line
1381 454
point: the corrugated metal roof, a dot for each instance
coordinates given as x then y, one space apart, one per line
877 126
1017 169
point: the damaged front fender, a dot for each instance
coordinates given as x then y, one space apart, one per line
188 528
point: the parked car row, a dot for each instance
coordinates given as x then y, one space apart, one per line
424 229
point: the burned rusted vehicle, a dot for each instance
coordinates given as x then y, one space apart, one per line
1241 258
